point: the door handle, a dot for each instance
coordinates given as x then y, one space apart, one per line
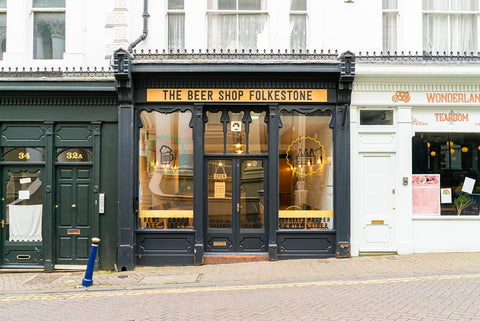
3 223
74 205
238 207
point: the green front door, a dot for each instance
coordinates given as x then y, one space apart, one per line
73 214
21 217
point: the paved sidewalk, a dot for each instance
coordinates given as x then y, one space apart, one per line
245 273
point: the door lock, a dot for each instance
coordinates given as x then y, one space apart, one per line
74 205
3 223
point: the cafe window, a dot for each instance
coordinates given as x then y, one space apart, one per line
165 185
305 171
48 29
450 160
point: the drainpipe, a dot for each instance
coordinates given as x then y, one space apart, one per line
143 36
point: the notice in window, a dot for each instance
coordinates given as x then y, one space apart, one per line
426 194
468 185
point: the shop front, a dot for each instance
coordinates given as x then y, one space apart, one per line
224 158
416 147
56 144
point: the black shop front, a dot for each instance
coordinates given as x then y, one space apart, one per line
232 154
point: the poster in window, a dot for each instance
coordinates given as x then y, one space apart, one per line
426 194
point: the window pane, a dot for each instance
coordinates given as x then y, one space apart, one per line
3 3
24 154
389 31
300 5
251 194
298 32
220 194
24 207
3 34
389 4
435 32
222 4
454 157
222 31
257 134
165 194
236 135
306 172
48 4
463 33
176 31
74 155
376 117
251 5
250 27
175 4
49 36
440 5
464 5
214 141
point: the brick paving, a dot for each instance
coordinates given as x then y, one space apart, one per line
436 286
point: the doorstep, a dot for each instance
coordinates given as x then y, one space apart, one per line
224 258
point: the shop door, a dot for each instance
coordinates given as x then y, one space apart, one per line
377 197
21 217
236 214
73 214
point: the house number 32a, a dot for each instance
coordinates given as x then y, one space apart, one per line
74 155
23 155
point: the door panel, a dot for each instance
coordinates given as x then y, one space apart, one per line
74 210
236 213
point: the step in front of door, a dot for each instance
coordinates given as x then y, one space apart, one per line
233 258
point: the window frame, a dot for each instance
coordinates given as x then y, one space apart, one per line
35 10
236 12
449 13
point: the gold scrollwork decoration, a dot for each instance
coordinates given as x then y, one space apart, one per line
401 96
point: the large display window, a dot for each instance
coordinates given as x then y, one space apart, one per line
165 171
305 171
454 159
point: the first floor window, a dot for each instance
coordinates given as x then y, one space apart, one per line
176 25
452 161
3 27
298 24
48 29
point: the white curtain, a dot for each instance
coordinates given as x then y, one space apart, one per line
298 31
176 31
222 31
250 27
25 223
389 25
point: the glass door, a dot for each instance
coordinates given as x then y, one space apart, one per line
21 217
235 207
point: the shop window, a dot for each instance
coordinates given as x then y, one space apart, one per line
390 16
48 29
453 159
305 171
236 24
3 27
165 187
239 132
176 25
298 24
450 25
376 117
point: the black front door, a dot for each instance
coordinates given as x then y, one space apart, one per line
73 212
21 217
236 213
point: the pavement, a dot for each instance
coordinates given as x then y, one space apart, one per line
236 274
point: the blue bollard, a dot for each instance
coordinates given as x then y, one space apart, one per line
87 280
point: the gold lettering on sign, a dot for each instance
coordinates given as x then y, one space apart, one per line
236 95
401 96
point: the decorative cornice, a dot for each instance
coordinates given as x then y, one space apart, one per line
415 87
57 101
45 74
234 56
418 58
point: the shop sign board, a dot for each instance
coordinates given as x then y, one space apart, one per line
236 95
426 194
445 119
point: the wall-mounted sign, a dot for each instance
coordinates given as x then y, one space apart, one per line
439 119
236 95
219 190
467 98
401 96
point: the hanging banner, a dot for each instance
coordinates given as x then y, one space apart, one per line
426 194
236 95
